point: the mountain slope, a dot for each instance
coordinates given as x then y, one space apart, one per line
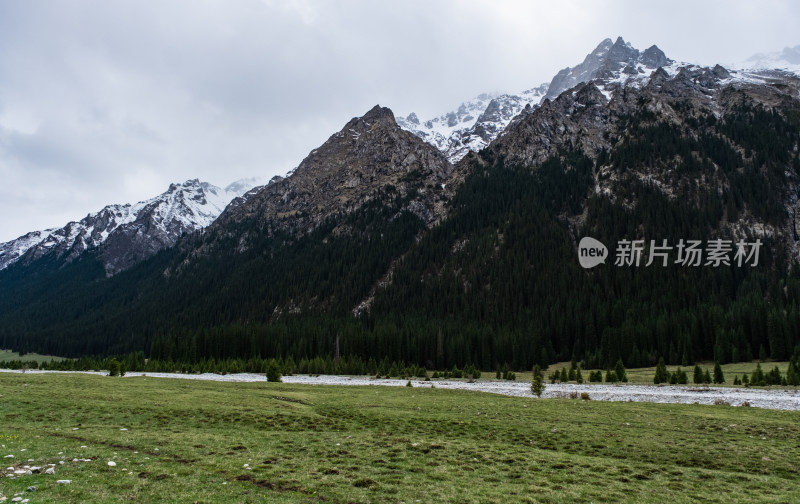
371 157
127 234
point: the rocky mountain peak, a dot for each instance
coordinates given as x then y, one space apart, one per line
608 62
368 157
376 113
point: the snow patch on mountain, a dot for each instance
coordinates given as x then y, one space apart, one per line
474 124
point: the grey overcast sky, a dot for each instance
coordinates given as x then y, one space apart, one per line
107 101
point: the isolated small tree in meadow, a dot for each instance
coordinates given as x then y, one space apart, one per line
273 371
698 375
792 375
757 378
706 377
718 376
122 368
619 369
662 375
611 376
537 385
745 380
113 367
564 375
578 376
537 371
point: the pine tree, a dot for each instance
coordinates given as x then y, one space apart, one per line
273 371
792 376
537 385
662 375
698 375
718 376
619 369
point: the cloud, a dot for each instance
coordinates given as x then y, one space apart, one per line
109 101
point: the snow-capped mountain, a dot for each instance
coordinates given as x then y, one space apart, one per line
787 60
479 121
474 124
610 62
127 234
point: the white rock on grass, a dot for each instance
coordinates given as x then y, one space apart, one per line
50 470
64 482
111 463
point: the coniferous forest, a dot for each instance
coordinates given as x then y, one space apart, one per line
497 283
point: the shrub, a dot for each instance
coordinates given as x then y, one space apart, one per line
585 396
746 404
113 367
408 383
721 402
611 376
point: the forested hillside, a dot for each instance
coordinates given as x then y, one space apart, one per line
497 281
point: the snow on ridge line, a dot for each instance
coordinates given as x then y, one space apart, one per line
668 394
192 205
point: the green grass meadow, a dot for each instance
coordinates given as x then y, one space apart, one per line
8 355
189 441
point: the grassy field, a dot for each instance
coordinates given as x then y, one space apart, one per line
195 441
8 355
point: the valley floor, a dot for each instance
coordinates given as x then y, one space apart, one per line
769 398
144 439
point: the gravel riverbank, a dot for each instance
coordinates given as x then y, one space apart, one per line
683 394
